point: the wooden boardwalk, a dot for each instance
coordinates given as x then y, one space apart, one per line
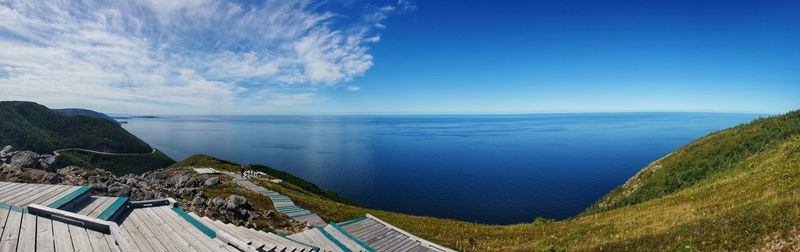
332 238
55 196
105 208
258 239
384 237
37 217
284 204
22 231
162 228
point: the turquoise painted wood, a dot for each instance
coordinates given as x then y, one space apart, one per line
69 197
360 243
203 228
334 240
113 208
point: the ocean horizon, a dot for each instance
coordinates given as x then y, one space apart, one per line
497 169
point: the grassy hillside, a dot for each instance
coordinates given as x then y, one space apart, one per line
209 161
736 189
119 165
30 126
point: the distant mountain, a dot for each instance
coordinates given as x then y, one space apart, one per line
31 126
85 112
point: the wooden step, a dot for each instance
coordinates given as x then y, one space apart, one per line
75 197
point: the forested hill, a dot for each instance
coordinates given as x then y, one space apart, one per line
31 126
85 112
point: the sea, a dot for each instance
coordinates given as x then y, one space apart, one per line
495 169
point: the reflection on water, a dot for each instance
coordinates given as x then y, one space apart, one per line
491 169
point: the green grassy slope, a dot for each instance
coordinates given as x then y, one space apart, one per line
702 159
735 189
30 126
118 165
209 161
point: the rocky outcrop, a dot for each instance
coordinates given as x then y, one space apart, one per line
178 183
27 159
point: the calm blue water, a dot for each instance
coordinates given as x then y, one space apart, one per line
490 169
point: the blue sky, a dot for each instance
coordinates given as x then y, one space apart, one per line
403 57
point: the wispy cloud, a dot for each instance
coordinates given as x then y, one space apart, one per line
192 56
353 88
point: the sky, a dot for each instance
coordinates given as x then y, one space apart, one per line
401 57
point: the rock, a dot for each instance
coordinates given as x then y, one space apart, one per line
217 202
46 162
182 181
119 189
184 192
211 181
271 214
235 202
198 200
27 159
5 151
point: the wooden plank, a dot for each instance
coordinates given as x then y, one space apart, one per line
44 235
75 197
93 205
47 196
102 207
10 189
205 242
146 232
27 233
157 231
169 233
172 223
36 190
112 243
7 189
72 218
3 218
11 231
59 196
24 189
131 231
45 191
98 241
80 239
61 237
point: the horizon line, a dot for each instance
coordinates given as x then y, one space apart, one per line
465 113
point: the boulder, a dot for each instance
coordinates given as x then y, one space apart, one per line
27 159
198 200
217 202
182 181
119 189
235 202
5 151
46 162
211 181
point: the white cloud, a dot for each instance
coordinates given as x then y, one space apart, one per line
353 88
193 56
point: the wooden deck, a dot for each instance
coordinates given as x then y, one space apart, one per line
162 229
23 231
206 170
384 237
105 208
331 238
56 196
284 204
38 217
258 239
